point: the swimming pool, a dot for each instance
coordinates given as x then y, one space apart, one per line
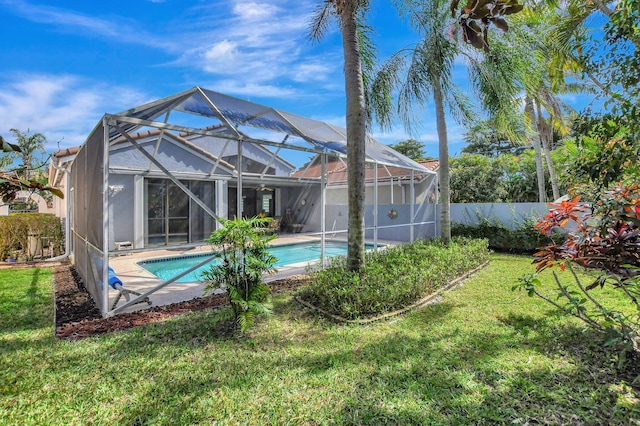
287 254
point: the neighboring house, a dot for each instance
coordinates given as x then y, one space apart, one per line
59 177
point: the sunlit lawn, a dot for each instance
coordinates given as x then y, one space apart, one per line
482 355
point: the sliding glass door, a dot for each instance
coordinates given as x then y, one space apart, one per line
172 217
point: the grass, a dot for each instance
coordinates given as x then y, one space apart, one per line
483 355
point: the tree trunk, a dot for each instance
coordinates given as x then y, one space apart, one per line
545 131
535 141
356 134
443 157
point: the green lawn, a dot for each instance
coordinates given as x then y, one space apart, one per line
483 355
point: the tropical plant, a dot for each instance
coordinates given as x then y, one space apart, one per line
31 150
606 151
521 237
609 58
606 243
483 138
412 149
12 182
350 15
427 70
394 278
241 248
477 179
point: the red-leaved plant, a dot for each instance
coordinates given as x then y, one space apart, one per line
605 241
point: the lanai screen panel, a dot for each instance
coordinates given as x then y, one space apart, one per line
88 216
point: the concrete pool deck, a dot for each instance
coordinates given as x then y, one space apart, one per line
136 278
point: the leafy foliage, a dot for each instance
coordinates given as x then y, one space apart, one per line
477 15
607 149
12 182
523 238
606 242
477 178
241 245
16 229
482 138
412 149
393 278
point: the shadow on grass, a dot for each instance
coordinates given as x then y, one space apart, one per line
28 309
194 369
402 377
586 346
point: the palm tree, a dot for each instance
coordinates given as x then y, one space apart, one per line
348 13
29 146
427 73
427 70
549 66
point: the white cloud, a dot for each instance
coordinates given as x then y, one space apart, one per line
124 30
251 11
63 108
260 43
257 43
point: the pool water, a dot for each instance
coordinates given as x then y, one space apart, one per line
288 254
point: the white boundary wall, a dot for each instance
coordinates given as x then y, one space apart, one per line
509 214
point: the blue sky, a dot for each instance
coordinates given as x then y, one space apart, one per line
66 63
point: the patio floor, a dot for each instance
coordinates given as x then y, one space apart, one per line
136 278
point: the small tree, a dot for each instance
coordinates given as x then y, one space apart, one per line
11 183
31 151
606 242
412 149
241 247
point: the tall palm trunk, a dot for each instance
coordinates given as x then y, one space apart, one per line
356 133
535 141
443 157
545 132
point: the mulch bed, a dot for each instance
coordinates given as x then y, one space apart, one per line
77 317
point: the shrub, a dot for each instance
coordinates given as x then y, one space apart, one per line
524 238
241 245
16 229
392 279
607 244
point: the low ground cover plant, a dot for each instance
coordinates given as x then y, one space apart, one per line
394 278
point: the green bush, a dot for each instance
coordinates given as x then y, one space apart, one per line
16 229
393 278
524 238
242 247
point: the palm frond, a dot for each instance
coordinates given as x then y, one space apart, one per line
320 21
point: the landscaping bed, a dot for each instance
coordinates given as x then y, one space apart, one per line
77 317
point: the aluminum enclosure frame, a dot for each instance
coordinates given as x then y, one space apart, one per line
231 119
